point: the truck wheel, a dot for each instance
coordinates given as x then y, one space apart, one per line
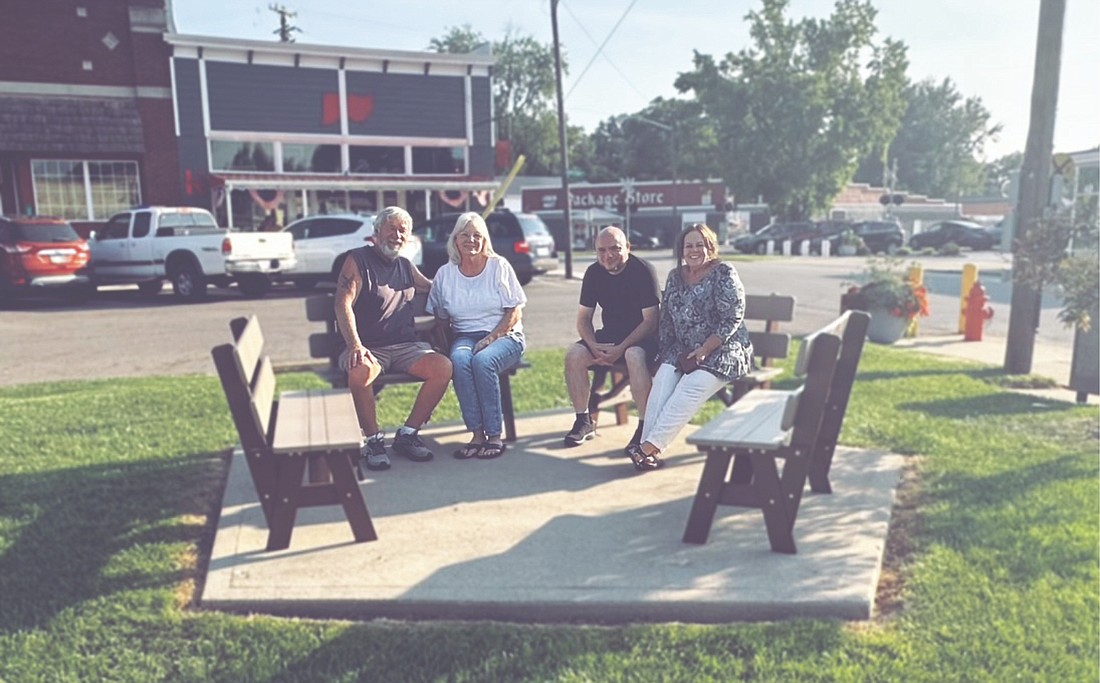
254 286
188 282
761 249
524 279
150 287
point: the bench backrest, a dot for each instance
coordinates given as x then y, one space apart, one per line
851 328
248 380
769 343
822 352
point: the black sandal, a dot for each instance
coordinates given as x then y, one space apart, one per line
642 461
491 450
470 450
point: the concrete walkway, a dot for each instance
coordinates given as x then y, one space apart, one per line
553 534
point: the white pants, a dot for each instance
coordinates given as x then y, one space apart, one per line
674 400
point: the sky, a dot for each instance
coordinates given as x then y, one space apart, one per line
986 47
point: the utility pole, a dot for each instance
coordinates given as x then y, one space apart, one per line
1023 320
568 209
285 31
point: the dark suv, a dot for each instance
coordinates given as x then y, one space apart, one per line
757 242
522 238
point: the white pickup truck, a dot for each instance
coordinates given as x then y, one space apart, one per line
184 245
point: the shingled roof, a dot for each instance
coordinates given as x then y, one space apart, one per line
70 125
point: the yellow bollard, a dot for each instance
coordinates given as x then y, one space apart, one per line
916 278
969 277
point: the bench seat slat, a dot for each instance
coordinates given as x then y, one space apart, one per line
755 421
316 420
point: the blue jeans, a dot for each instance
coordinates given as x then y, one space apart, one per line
476 378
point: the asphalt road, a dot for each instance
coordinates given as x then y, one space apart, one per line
121 333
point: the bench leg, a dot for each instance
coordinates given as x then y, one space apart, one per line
350 496
819 470
778 515
708 496
507 410
742 470
291 471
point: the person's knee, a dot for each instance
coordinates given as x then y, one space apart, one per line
577 357
363 375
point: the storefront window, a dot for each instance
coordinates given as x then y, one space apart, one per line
439 160
62 187
241 156
311 158
385 160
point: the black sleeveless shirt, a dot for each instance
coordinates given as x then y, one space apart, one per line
384 310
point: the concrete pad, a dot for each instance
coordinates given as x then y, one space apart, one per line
547 533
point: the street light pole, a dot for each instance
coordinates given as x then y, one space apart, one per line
675 153
567 213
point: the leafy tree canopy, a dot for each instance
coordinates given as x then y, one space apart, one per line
795 111
523 92
940 135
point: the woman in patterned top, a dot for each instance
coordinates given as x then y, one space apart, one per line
703 341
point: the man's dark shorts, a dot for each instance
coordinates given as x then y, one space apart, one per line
649 344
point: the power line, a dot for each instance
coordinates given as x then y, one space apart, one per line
609 60
600 48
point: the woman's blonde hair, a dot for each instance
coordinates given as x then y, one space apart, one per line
709 239
478 222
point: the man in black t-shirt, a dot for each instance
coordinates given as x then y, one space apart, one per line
625 289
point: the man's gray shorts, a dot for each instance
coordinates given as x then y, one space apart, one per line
395 357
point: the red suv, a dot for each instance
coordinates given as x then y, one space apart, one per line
42 256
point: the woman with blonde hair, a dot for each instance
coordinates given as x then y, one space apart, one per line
479 297
703 341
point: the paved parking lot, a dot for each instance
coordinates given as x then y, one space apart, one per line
121 333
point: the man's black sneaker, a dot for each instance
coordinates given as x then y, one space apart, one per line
635 440
410 446
582 431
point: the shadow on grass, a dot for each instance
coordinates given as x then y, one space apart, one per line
1026 516
991 405
97 531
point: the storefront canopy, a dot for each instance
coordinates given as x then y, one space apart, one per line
315 181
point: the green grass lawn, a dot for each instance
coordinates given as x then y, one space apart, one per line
107 490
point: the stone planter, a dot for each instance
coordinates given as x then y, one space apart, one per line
885 328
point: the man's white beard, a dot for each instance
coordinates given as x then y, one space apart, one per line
388 251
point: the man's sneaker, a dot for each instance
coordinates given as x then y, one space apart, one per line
635 440
410 446
582 431
373 455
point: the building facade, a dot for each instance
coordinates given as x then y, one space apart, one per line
305 129
85 108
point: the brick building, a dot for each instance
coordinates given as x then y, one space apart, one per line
85 108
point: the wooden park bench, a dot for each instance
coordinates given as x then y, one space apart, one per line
799 427
329 343
280 437
769 345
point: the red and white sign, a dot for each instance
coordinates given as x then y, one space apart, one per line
612 197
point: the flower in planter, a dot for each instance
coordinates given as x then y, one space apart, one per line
886 287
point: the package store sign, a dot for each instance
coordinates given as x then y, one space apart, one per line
612 197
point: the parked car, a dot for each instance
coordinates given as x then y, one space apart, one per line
757 242
962 233
42 256
522 238
879 237
184 244
322 242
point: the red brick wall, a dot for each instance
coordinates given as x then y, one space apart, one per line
45 41
160 178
